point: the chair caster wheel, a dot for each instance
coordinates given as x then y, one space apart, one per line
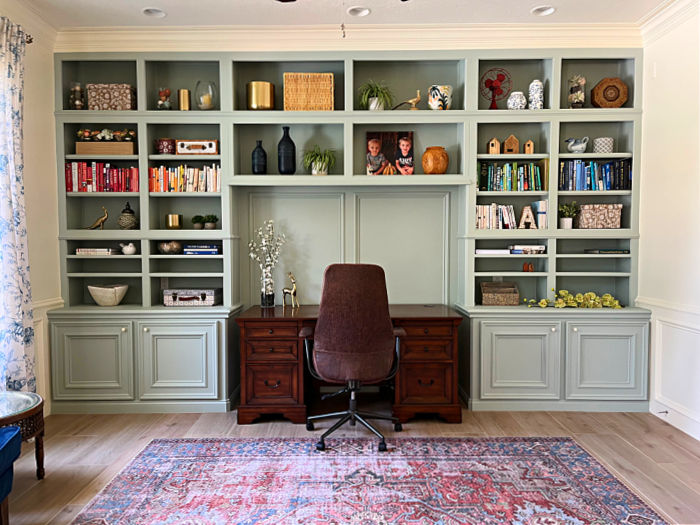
309 425
398 427
320 446
382 446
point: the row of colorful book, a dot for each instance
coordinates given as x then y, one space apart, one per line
184 178
578 175
511 177
100 177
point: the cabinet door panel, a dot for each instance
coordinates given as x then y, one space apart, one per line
520 360
92 360
178 360
606 360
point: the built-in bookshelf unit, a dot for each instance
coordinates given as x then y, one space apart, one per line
538 173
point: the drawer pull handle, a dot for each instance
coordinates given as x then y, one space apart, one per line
270 331
426 331
276 385
429 383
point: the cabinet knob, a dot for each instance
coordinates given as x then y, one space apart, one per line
426 349
145 329
426 331
123 328
271 350
270 331
553 329
575 329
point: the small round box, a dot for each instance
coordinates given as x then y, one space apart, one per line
603 145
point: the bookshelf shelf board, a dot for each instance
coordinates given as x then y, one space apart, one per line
73 156
97 115
510 274
596 192
600 156
103 274
159 194
511 234
593 274
593 256
101 235
103 256
188 235
344 180
481 193
513 156
186 256
102 194
183 158
614 233
186 274
510 256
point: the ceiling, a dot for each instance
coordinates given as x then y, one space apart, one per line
63 14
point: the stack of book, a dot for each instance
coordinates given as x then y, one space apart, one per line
185 178
495 217
577 175
100 177
200 249
96 251
527 248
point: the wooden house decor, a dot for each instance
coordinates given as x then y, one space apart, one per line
529 148
527 219
494 146
511 145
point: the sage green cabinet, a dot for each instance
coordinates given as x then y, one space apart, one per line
177 361
92 360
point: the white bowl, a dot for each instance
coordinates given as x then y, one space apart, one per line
109 294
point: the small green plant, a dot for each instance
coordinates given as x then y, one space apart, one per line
197 219
372 89
211 218
319 157
569 210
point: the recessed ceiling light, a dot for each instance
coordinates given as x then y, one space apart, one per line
153 12
286 1
358 10
542 10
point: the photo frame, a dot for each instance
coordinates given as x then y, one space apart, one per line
390 153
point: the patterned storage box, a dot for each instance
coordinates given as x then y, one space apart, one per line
115 97
599 216
199 297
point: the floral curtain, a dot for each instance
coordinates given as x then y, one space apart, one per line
16 323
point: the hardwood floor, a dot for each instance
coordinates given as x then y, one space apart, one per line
84 452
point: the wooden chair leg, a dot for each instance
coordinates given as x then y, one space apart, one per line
4 512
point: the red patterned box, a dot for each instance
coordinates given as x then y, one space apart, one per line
114 97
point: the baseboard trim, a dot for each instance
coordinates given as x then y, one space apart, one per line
570 406
675 418
140 407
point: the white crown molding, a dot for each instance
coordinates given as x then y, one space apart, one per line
21 13
370 37
665 18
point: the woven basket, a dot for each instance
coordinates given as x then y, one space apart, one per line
308 91
500 294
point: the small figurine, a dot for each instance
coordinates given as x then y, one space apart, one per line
577 91
76 100
128 249
163 99
292 292
577 145
411 101
100 222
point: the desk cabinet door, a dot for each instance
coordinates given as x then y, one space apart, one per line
92 360
425 383
606 360
272 384
520 360
178 360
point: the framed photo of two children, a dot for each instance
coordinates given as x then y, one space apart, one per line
390 153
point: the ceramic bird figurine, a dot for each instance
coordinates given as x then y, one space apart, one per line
577 145
412 101
99 223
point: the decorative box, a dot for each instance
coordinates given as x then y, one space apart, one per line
196 147
500 294
308 91
104 148
115 97
198 297
599 216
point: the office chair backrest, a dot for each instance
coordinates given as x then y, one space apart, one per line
354 339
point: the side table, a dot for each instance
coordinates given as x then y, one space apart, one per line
26 410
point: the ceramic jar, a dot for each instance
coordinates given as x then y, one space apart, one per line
440 97
165 146
516 100
127 219
259 159
603 145
536 94
286 154
435 160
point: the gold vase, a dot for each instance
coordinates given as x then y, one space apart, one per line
173 221
261 95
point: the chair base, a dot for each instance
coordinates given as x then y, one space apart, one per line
353 416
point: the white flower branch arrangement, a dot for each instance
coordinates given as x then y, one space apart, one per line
265 250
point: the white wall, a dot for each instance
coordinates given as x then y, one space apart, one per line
670 199
39 178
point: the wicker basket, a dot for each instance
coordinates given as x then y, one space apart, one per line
500 294
308 91
599 216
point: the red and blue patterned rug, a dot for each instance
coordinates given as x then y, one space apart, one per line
536 481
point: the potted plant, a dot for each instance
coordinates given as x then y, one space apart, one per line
210 222
198 222
375 96
320 161
567 212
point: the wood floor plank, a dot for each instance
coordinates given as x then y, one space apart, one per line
577 422
539 424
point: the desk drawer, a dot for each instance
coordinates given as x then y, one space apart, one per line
423 383
427 350
271 384
426 329
253 331
271 350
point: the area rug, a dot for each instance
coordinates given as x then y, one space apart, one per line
543 481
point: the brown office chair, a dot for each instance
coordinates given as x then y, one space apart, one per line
354 342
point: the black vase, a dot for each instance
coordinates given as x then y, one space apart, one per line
286 154
259 159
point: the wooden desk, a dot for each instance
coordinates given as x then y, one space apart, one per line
272 362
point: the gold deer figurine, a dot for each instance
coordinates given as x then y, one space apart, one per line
292 292
99 222
413 101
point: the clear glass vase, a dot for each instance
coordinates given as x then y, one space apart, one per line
205 95
267 289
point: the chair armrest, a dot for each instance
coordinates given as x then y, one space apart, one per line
399 332
307 332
